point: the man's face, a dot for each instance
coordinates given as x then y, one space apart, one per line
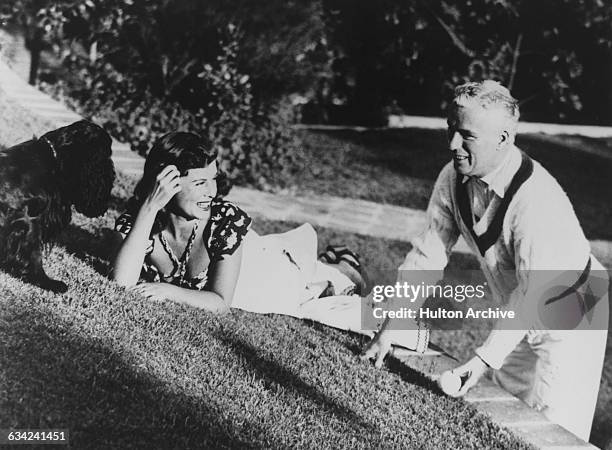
478 139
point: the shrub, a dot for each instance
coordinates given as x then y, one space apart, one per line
256 143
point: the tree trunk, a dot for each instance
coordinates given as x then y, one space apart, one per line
34 65
34 43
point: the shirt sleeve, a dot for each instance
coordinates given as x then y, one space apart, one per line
231 226
549 247
431 249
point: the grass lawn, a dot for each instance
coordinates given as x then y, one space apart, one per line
400 167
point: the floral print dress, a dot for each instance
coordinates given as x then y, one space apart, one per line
224 232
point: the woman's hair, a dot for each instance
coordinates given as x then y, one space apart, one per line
185 151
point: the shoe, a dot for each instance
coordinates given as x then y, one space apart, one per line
353 269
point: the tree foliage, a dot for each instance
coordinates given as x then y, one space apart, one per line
41 20
554 54
358 57
144 67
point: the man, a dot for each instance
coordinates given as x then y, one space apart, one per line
520 224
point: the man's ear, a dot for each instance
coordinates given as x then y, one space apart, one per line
504 139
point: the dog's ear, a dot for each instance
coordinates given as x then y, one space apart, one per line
93 185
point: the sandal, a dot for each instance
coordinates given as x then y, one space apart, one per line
340 253
344 254
329 256
336 253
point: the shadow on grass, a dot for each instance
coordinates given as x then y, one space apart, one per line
93 249
97 249
272 374
411 376
52 377
355 344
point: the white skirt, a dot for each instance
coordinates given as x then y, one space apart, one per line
276 273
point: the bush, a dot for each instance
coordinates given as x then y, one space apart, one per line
255 142
554 55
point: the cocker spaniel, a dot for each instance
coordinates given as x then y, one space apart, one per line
40 180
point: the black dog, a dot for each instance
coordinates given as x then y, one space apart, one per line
39 181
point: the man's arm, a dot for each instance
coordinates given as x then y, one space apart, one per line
429 255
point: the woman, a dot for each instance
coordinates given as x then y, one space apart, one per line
190 246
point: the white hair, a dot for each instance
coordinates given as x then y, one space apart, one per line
488 94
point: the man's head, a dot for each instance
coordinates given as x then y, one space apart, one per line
482 122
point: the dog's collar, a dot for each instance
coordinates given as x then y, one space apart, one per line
51 146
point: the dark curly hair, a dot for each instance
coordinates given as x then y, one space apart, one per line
184 150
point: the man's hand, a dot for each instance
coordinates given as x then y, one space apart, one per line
378 347
470 372
154 291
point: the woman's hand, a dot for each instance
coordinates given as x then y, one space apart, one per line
167 185
155 291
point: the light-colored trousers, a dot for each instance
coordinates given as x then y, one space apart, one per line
558 372
558 375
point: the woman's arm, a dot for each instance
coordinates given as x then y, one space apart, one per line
131 254
223 279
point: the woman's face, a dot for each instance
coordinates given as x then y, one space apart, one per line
198 188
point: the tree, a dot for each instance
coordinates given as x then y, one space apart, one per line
555 55
40 20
